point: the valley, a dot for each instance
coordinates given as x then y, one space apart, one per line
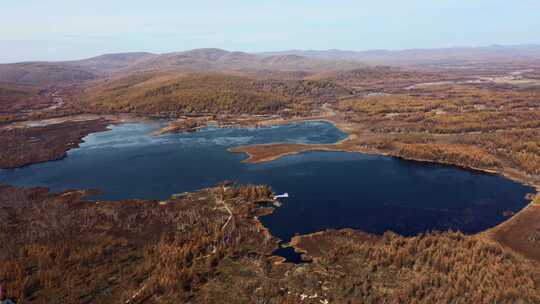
195 238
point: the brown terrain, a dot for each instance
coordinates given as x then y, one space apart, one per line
24 146
473 108
209 247
493 129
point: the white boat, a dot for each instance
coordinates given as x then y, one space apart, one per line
284 195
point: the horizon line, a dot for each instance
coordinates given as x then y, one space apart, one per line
535 45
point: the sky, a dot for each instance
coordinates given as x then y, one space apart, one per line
72 29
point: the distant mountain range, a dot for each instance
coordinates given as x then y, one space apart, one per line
423 56
218 60
198 60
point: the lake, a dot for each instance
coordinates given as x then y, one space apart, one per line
327 189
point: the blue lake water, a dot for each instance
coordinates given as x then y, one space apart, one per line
327 189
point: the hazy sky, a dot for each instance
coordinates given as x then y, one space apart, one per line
67 29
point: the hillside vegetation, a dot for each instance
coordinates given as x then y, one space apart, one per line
465 125
15 97
218 60
63 72
162 93
378 78
59 249
432 268
45 73
208 60
184 94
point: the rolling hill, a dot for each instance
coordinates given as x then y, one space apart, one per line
215 93
53 73
218 60
158 93
198 60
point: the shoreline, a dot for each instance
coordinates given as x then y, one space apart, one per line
297 148
498 234
334 147
347 144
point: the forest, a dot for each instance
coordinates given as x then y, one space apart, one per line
463 124
58 248
149 93
24 146
209 247
182 95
